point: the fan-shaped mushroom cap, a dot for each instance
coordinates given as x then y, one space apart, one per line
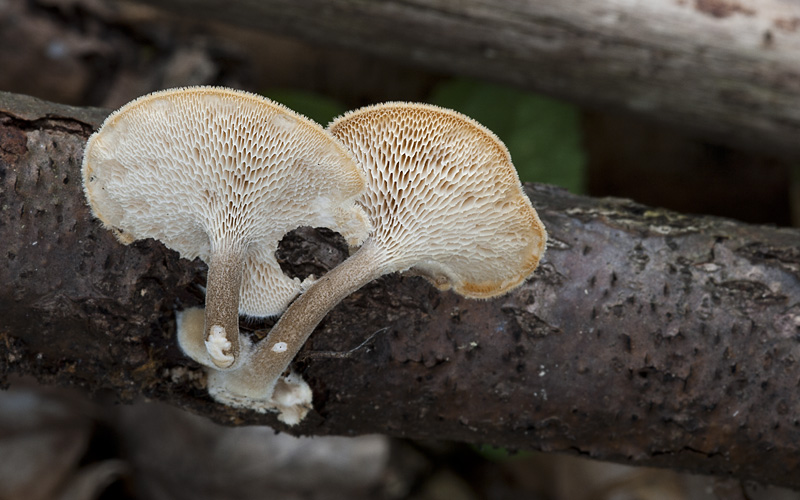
443 198
222 175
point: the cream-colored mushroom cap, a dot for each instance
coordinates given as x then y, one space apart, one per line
443 198
222 175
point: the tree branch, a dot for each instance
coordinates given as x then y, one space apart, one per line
645 337
726 69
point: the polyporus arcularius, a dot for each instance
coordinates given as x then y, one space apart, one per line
443 199
222 175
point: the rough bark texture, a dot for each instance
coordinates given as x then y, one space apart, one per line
645 337
727 69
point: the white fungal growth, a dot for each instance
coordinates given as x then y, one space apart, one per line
291 397
279 347
218 346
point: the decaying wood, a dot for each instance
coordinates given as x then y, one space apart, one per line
727 69
645 337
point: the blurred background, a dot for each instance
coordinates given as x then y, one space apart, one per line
56 444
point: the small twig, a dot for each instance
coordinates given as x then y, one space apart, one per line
337 354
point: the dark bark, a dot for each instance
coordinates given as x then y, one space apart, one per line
724 68
646 337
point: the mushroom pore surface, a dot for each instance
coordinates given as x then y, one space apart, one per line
222 175
443 197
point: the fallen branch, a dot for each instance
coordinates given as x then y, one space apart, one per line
645 337
727 69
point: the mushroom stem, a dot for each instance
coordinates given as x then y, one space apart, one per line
270 357
222 305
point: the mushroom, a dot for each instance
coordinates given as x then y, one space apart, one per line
222 175
444 201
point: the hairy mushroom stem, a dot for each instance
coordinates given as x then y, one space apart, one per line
225 272
269 358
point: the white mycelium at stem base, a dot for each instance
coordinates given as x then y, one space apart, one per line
222 175
217 345
443 198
